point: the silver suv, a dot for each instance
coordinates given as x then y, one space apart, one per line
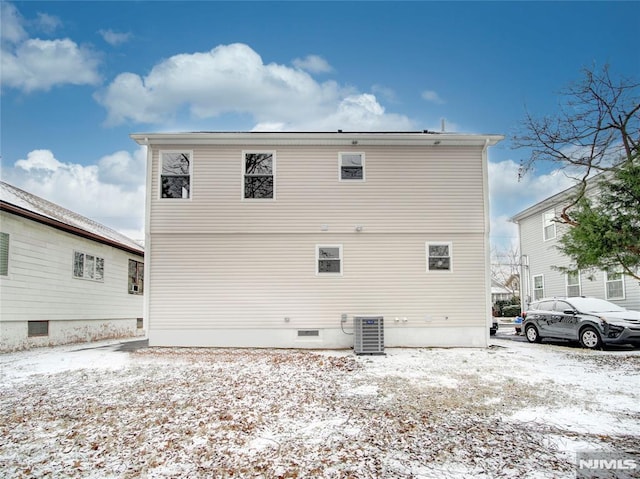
591 321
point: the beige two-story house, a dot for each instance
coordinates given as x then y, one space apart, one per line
281 239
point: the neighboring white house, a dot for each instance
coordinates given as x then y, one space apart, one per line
539 233
64 278
499 292
281 239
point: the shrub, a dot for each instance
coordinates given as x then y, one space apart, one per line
511 310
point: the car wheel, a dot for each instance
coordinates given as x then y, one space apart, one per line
590 339
532 334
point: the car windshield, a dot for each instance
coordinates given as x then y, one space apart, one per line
594 305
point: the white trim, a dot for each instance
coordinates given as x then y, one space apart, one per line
607 281
566 285
273 174
84 265
449 244
160 153
533 289
353 180
546 222
488 313
134 289
345 139
147 237
341 259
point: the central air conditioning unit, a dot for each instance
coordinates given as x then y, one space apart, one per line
369 334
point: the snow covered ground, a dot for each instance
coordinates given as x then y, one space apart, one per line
512 410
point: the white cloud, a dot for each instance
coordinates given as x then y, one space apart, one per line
110 191
234 79
388 94
121 168
313 64
42 64
114 38
11 24
432 96
39 160
30 64
47 23
510 195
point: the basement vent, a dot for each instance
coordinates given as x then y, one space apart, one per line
306 333
37 328
139 323
369 335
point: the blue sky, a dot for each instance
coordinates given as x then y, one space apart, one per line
79 77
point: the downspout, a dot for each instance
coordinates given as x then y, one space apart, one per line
525 279
487 248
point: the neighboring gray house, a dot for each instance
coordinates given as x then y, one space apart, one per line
63 277
281 239
539 233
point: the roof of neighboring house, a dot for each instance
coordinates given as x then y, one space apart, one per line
498 288
21 203
556 199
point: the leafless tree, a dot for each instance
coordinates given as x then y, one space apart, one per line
596 129
505 268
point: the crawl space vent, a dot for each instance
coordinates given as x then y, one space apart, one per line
369 335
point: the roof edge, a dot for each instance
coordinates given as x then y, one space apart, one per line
24 213
555 199
425 137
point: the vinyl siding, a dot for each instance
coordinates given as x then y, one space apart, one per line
544 257
40 283
218 262
256 281
409 189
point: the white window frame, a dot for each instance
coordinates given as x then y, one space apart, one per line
608 281
340 258
548 218
573 285
351 180
161 154
135 287
244 174
449 244
533 283
88 274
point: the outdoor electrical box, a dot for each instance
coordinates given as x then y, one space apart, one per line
368 334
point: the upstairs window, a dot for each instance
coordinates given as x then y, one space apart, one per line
351 166
329 259
549 225
88 266
439 257
258 170
614 285
4 254
136 277
175 174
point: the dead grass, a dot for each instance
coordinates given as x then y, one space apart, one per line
272 414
